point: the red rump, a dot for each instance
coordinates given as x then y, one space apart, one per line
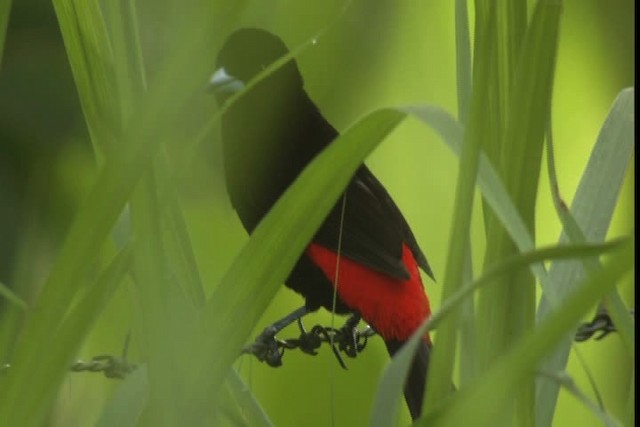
394 308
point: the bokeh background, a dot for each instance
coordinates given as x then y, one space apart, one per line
377 54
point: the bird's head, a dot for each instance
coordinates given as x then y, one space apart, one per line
244 55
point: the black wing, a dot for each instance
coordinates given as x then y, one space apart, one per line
373 230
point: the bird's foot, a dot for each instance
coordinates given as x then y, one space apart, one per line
267 348
110 366
309 342
601 323
349 339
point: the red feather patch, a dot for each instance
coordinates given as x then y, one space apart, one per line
394 308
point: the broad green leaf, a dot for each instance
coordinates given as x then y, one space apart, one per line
91 59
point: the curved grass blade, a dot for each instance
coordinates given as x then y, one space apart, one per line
590 378
564 380
12 297
592 210
463 84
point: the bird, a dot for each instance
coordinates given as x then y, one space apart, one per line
270 133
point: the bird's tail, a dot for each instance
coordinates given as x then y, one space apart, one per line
417 378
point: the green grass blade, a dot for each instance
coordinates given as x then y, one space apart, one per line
251 408
592 209
127 403
571 228
441 364
177 242
5 11
630 411
122 23
31 408
590 378
463 85
154 289
471 407
11 296
386 405
91 59
522 80
621 122
463 59
87 310
566 382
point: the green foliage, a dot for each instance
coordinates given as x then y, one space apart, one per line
131 251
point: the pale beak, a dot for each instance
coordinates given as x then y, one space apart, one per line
224 83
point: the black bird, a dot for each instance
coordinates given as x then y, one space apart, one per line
269 136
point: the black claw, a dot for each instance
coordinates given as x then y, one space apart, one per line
266 348
273 357
110 366
308 342
346 340
601 323
339 357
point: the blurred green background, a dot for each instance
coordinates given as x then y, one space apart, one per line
377 54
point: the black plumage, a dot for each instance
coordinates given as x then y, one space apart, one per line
269 135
